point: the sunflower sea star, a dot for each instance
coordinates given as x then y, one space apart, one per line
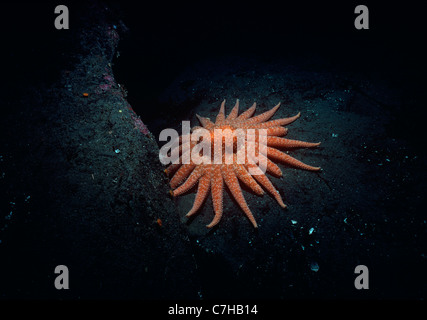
212 176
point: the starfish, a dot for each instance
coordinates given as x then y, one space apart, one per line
212 176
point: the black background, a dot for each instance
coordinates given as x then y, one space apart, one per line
165 38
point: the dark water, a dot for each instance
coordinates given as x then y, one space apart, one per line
168 51
162 42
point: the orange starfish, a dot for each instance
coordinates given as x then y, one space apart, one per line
211 176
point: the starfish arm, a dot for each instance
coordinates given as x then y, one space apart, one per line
247 114
258 156
186 152
234 112
221 115
271 166
205 122
217 186
183 147
273 131
209 124
266 183
274 123
277 131
233 184
172 168
202 192
182 173
190 182
262 117
288 143
274 153
181 137
244 176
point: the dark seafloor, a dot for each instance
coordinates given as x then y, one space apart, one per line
81 183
